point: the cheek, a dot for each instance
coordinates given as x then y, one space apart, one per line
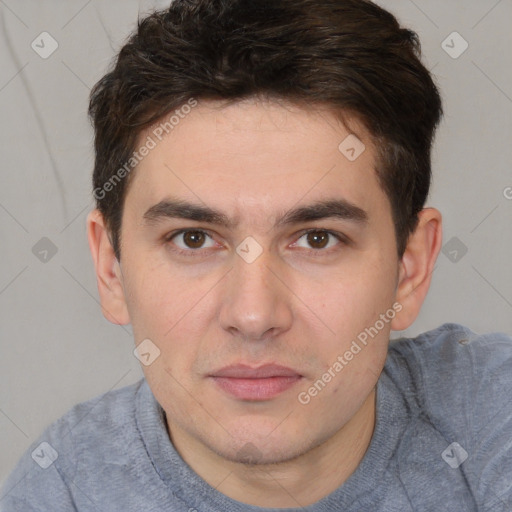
155 298
351 305
172 310
352 301
151 285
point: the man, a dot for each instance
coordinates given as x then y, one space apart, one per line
261 174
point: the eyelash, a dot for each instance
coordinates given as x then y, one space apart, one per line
315 252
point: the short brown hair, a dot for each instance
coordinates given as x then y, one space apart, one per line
350 55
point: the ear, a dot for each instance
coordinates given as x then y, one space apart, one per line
108 270
416 267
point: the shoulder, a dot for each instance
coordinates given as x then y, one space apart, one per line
101 419
91 430
109 409
460 384
454 353
449 337
451 366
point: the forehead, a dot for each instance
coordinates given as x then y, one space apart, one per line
258 157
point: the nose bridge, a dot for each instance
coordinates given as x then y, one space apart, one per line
255 301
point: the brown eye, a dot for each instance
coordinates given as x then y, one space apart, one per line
190 240
318 239
194 239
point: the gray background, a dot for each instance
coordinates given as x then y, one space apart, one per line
57 349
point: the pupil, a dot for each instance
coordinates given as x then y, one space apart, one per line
194 238
317 239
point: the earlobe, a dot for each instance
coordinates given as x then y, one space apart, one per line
108 270
416 267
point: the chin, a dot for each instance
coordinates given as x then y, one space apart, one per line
258 447
251 454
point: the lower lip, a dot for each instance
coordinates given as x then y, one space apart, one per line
256 389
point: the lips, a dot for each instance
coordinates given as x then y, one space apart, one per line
242 371
255 384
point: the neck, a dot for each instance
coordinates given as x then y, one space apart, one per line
296 483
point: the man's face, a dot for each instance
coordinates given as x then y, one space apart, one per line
209 300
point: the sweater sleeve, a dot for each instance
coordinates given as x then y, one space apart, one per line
491 407
468 390
37 483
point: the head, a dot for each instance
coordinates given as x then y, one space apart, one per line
229 119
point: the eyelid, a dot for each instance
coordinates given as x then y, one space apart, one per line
172 234
344 240
168 237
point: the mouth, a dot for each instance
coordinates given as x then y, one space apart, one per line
255 384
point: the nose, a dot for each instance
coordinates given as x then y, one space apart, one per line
256 302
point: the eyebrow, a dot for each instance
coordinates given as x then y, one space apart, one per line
328 208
